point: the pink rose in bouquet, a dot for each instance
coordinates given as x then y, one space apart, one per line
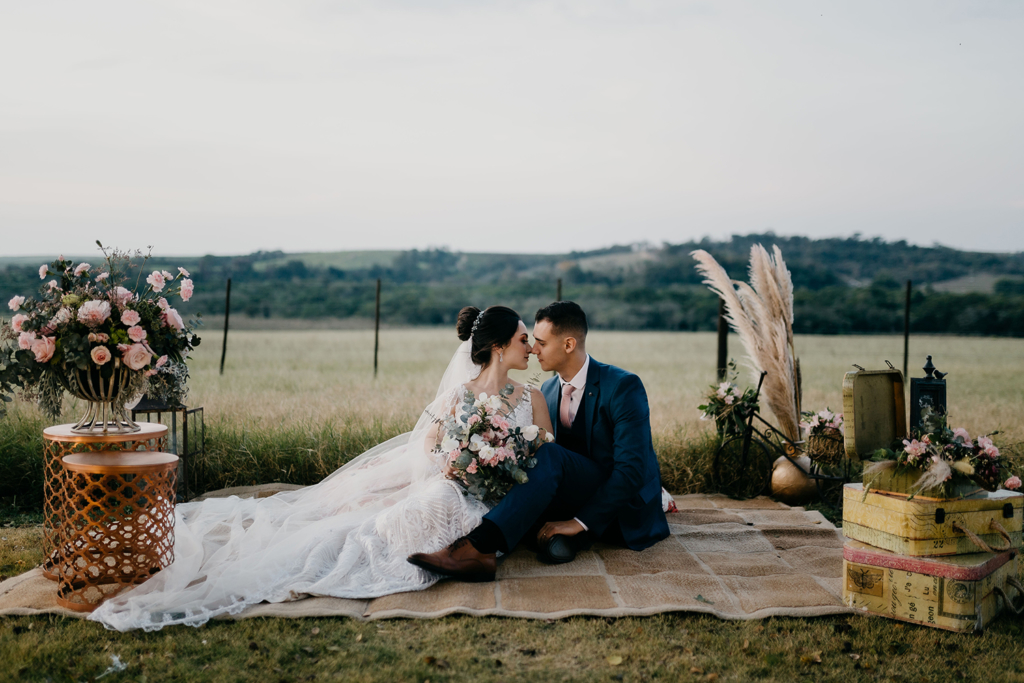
172 319
100 355
17 321
16 302
94 313
136 356
25 340
43 349
1013 483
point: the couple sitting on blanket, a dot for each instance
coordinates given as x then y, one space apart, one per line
394 519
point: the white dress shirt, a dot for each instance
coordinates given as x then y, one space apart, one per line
579 383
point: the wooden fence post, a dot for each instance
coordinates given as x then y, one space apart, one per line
376 331
227 313
906 332
723 341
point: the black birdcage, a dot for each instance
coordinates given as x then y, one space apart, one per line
186 434
927 392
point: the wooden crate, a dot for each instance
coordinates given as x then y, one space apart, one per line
923 527
874 411
956 593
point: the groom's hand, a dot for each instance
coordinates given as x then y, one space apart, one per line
570 528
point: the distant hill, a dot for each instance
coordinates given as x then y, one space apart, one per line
849 285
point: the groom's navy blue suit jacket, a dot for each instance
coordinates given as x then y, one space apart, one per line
619 439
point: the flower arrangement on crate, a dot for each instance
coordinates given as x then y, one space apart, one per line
482 448
728 406
938 461
823 436
92 336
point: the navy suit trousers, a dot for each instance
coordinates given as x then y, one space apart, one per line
560 484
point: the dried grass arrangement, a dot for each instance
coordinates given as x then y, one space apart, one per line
761 313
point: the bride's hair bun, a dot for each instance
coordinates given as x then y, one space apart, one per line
494 327
464 325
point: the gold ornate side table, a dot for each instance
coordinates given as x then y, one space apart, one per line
118 528
59 441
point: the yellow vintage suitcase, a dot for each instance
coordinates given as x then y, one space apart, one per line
874 411
923 527
962 593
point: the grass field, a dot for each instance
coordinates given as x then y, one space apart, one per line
292 406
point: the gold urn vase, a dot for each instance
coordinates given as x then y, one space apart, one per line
101 392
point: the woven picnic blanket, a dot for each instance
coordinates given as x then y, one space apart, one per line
734 559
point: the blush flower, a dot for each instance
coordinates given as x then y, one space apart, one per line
915 449
183 272
102 276
156 280
99 337
94 312
965 438
43 270
172 319
130 318
161 361
1013 483
25 340
473 419
162 303
167 276
137 356
186 289
43 348
16 302
52 284
122 295
136 333
472 467
82 268
100 355
17 321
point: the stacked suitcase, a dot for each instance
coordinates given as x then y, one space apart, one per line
944 562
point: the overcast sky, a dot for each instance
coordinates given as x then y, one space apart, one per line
215 126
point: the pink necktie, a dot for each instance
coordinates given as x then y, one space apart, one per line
563 411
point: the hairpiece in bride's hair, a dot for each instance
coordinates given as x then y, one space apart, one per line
476 323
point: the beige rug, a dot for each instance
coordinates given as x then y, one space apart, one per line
734 559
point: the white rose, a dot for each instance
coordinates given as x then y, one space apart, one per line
449 444
476 442
531 432
494 402
486 453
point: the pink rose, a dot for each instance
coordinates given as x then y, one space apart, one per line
961 433
122 295
17 321
186 289
473 419
161 361
136 333
183 272
156 281
100 355
99 337
43 271
472 467
94 312
43 348
82 268
25 340
130 318
137 357
172 319
102 276
1013 483
16 302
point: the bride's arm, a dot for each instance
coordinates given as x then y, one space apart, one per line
541 416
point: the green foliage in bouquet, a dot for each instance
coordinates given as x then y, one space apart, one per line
728 406
486 452
85 319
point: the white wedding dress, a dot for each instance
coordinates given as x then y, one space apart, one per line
346 537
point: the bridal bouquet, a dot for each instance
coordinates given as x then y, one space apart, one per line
87 321
486 452
942 457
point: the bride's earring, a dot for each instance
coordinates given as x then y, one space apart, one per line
501 356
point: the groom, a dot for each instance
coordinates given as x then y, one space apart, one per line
598 480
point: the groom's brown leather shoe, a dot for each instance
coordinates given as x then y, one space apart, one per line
459 561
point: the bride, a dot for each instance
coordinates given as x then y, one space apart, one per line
348 536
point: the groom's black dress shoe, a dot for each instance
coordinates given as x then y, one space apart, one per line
560 549
459 561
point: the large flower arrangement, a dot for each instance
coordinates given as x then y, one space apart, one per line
486 453
942 457
86 319
729 406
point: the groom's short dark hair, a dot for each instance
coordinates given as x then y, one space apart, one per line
566 318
